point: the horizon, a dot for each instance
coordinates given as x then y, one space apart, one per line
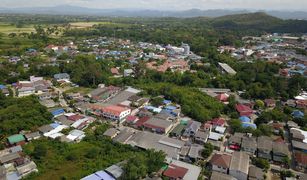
164 5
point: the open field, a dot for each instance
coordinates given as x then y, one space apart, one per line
8 28
81 25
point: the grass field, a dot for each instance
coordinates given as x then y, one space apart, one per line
8 28
81 25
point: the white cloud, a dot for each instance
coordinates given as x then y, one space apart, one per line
165 4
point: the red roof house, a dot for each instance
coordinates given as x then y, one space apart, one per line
175 172
301 159
218 122
221 160
244 110
222 97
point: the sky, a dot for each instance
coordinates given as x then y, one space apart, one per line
164 4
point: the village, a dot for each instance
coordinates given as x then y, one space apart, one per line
158 123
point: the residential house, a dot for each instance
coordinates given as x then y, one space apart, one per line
178 131
9 158
195 152
4 90
249 145
158 125
244 110
217 122
235 141
299 146
115 171
220 163
113 112
298 135
239 165
102 93
297 114
112 132
175 172
115 72
255 173
26 169
201 137
191 129
99 175
265 147
32 136
280 152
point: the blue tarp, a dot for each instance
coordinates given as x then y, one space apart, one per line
57 112
297 114
54 125
245 119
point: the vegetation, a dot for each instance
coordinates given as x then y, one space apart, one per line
56 160
261 163
18 114
208 149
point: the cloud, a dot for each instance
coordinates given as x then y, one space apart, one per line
165 4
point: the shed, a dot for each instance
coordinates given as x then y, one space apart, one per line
15 139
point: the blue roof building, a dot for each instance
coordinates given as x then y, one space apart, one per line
245 119
58 112
297 114
165 101
99 175
251 125
2 86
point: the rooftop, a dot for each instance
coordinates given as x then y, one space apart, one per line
239 162
222 160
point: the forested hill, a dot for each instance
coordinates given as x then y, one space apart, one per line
259 21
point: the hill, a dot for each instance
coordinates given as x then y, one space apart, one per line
259 21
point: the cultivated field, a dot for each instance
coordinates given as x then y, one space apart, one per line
8 28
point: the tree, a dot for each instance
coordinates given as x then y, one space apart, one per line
157 101
259 104
208 149
261 163
39 152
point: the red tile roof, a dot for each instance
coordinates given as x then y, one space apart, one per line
222 97
218 122
141 121
175 172
115 110
244 110
131 118
222 160
75 117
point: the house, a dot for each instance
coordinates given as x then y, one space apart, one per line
17 139
249 145
178 131
220 129
301 104
175 172
158 125
191 129
195 152
280 151
99 175
235 141
264 147
45 128
26 169
4 90
58 112
292 124
193 171
32 136
298 135
239 165
225 68
221 176
244 110
217 122
201 137
102 93
277 127
113 112
76 135
220 163
222 97
270 103
206 127
299 146
112 132
300 160
9 158
62 77
255 173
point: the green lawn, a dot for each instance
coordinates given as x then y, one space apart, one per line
8 28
